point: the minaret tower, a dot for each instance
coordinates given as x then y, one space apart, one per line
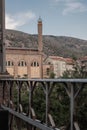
40 45
2 37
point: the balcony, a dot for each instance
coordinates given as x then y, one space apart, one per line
71 87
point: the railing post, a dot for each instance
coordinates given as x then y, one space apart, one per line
30 98
29 127
72 106
47 103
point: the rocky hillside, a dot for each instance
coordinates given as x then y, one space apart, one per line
53 45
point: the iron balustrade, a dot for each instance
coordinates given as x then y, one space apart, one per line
72 87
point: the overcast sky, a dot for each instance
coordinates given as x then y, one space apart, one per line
60 17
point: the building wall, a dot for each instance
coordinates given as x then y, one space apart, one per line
47 69
22 62
59 67
69 67
58 63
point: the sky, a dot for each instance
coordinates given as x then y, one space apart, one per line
59 17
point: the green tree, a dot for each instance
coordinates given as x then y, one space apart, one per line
52 75
79 71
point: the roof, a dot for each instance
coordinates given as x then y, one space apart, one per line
18 48
83 58
57 58
69 60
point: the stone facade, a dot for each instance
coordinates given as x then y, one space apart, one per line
24 62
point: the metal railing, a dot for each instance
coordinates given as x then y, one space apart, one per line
72 87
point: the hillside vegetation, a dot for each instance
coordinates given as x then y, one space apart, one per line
52 45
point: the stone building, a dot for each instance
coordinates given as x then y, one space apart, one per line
24 62
21 62
57 65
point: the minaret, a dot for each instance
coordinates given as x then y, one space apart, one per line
2 37
40 45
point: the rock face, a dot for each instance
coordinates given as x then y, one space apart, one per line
52 45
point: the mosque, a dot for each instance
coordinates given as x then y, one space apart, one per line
26 62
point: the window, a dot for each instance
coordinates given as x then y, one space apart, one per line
49 63
9 63
22 63
35 64
48 71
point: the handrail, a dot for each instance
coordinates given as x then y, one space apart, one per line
35 123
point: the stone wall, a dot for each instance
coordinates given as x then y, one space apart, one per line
22 62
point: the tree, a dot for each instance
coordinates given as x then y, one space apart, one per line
52 75
79 71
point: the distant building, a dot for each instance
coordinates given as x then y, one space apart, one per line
69 64
83 62
57 65
24 62
21 62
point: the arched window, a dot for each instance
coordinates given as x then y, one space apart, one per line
22 63
9 63
34 64
48 71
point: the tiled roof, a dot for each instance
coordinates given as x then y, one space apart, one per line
57 58
69 60
83 58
